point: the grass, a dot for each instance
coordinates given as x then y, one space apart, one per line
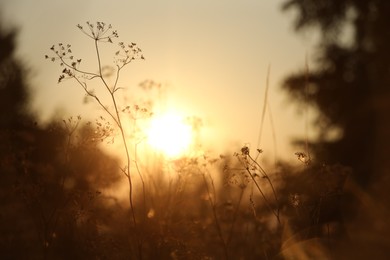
204 207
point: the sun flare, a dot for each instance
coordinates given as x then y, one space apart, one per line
169 134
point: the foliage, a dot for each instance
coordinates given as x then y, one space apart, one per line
56 185
349 84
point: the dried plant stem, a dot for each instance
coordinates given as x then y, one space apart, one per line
117 120
306 101
141 178
235 215
265 175
127 152
275 213
264 107
252 165
102 32
271 121
214 210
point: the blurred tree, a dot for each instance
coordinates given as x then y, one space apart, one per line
12 96
51 206
350 85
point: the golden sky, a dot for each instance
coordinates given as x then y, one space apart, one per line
211 55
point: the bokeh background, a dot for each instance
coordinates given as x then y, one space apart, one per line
329 64
212 57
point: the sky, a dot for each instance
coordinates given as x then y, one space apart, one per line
212 58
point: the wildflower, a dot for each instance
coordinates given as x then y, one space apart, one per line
245 150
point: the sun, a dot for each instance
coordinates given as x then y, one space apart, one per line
169 134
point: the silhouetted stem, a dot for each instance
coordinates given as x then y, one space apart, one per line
268 179
235 214
120 126
142 181
263 195
213 207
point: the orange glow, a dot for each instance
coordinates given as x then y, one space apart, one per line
169 134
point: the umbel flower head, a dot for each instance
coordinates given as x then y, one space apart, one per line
99 32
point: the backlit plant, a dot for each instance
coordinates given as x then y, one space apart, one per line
101 33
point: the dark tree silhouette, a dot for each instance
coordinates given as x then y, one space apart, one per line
350 84
51 206
350 87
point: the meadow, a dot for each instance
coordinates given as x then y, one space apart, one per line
59 184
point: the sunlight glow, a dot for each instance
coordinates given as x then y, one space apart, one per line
169 134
